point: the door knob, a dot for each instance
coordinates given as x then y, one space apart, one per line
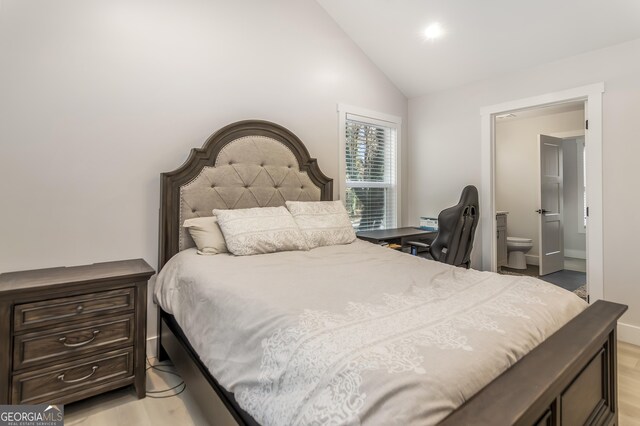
541 211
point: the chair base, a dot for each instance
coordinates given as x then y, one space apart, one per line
517 260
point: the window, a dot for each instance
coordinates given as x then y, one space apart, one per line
369 168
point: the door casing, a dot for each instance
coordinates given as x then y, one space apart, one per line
592 94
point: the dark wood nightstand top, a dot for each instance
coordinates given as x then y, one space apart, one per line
20 280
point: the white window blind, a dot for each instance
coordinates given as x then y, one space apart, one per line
370 173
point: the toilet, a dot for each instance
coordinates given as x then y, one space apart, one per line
516 249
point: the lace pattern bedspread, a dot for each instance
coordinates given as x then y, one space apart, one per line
356 333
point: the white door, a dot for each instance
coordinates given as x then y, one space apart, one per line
550 211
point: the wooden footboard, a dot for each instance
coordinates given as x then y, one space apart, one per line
569 379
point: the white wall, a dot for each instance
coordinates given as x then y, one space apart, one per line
517 171
99 97
445 144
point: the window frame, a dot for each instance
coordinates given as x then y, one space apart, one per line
374 118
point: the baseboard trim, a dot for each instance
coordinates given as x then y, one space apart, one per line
532 259
629 333
152 347
576 254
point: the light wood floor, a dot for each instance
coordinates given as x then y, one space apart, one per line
629 384
124 408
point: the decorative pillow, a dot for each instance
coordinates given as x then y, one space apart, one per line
260 230
207 235
323 223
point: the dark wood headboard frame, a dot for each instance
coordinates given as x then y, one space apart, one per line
170 182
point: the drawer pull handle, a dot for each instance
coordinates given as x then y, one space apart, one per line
79 309
93 371
63 340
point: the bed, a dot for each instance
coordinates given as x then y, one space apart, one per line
359 333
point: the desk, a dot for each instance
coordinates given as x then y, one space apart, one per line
397 235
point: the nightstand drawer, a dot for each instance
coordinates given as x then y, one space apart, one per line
30 315
54 384
50 345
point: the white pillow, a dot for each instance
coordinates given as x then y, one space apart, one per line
323 223
260 230
206 234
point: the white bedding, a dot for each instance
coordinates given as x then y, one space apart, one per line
355 333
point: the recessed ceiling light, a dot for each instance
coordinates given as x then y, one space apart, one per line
434 31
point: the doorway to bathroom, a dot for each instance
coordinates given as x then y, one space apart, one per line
540 194
593 96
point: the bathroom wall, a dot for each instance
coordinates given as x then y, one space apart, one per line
575 242
517 172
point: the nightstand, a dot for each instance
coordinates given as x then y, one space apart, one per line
70 333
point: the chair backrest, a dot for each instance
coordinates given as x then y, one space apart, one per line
456 230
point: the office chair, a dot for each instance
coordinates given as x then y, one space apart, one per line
456 230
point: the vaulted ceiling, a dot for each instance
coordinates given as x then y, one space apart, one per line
482 38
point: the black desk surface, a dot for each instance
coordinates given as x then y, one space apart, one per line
396 233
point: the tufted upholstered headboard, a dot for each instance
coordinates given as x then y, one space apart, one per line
245 164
